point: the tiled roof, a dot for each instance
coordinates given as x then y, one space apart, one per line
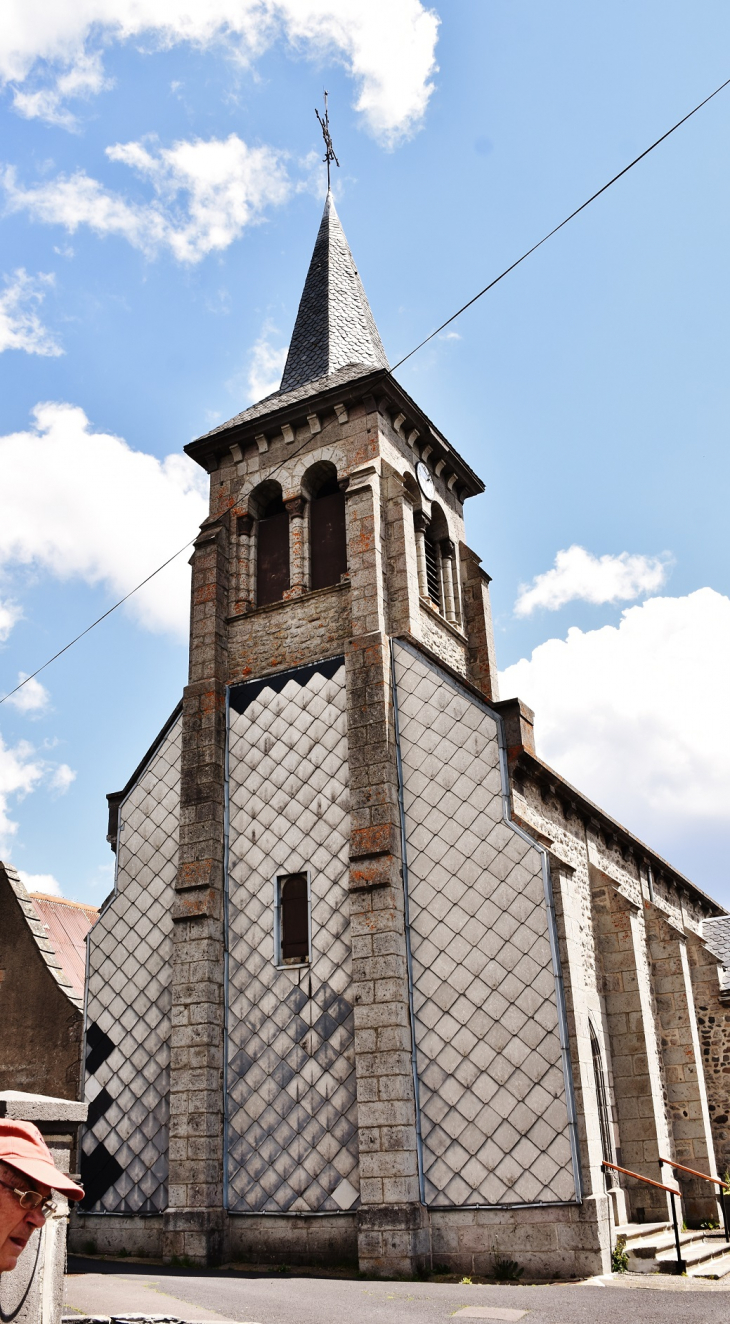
66 924
334 327
716 933
41 930
280 399
335 339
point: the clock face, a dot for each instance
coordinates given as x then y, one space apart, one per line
425 481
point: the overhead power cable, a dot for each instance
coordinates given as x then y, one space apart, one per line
98 621
555 229
410 354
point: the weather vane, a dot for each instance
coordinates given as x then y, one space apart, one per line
329 152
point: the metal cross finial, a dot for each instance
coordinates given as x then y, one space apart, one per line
329 153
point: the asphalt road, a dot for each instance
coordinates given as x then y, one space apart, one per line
96 1287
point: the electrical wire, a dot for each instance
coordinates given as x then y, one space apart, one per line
550 233
98 621
405 358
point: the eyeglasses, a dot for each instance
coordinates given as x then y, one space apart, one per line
32 1199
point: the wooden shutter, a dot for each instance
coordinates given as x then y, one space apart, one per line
328 539
294 906
272 562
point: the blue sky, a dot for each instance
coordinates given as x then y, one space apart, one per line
156 232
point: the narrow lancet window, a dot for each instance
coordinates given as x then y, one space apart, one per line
602 1101
328 540
293 919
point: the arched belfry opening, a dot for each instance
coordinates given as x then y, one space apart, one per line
272 543
327 530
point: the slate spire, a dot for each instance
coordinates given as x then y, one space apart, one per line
334 326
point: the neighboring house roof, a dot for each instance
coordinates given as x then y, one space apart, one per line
66 924
716 935
40 934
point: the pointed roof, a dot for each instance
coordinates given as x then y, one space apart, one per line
335 328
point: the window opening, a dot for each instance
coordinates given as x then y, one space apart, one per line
272 560
293 919
328 539
601 1098
432 569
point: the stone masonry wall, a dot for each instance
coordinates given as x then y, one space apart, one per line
630 945
713 1020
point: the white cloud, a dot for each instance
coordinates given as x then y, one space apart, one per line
20 325
205 194
266 365
103 513
638 716
20 773
10 614
83 78
387 46
61 778
32 698
579 576
40 882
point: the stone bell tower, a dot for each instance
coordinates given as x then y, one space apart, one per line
335 530
280 589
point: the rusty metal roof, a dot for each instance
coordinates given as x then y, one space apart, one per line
66 924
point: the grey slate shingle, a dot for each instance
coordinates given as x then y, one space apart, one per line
280 399
334 325
335 338
716 934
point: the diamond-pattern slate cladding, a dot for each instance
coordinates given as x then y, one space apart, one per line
292 1138
492 1093
129 990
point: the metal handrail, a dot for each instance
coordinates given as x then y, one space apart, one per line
681 1266
723 1193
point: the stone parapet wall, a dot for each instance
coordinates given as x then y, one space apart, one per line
289 634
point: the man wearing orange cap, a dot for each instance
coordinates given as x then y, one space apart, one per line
27 1177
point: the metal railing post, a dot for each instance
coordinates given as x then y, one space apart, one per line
678 1244
723 1193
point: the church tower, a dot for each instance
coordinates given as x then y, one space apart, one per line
326 1014
331 762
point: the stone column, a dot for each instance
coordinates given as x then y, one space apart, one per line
420 523
194 1222
446 548
639 1086
393 1232
404 589
33 1292
683 1072
298 558
241 577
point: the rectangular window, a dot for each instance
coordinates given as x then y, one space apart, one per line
292 919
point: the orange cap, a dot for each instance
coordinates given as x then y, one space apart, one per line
23 1147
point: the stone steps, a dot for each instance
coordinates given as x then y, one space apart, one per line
651 1249
711 1269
